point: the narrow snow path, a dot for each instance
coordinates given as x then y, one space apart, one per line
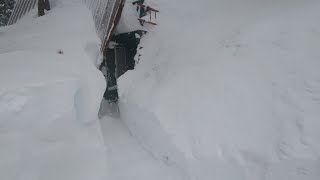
126 159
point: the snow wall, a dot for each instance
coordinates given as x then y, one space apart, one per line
49 101
228 89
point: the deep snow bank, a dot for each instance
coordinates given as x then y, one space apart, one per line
49 102
229 89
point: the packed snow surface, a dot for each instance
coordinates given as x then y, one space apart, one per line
228 89
126 157
49 101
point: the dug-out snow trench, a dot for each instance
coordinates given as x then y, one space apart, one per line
118 58
122 54
122 146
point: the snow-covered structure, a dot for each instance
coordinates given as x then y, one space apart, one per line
104 13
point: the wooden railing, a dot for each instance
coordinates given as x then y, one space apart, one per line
21 8
106 14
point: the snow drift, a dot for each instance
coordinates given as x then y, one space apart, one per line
49 101
229 89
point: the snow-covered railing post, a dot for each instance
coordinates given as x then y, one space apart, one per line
43 5
41 8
